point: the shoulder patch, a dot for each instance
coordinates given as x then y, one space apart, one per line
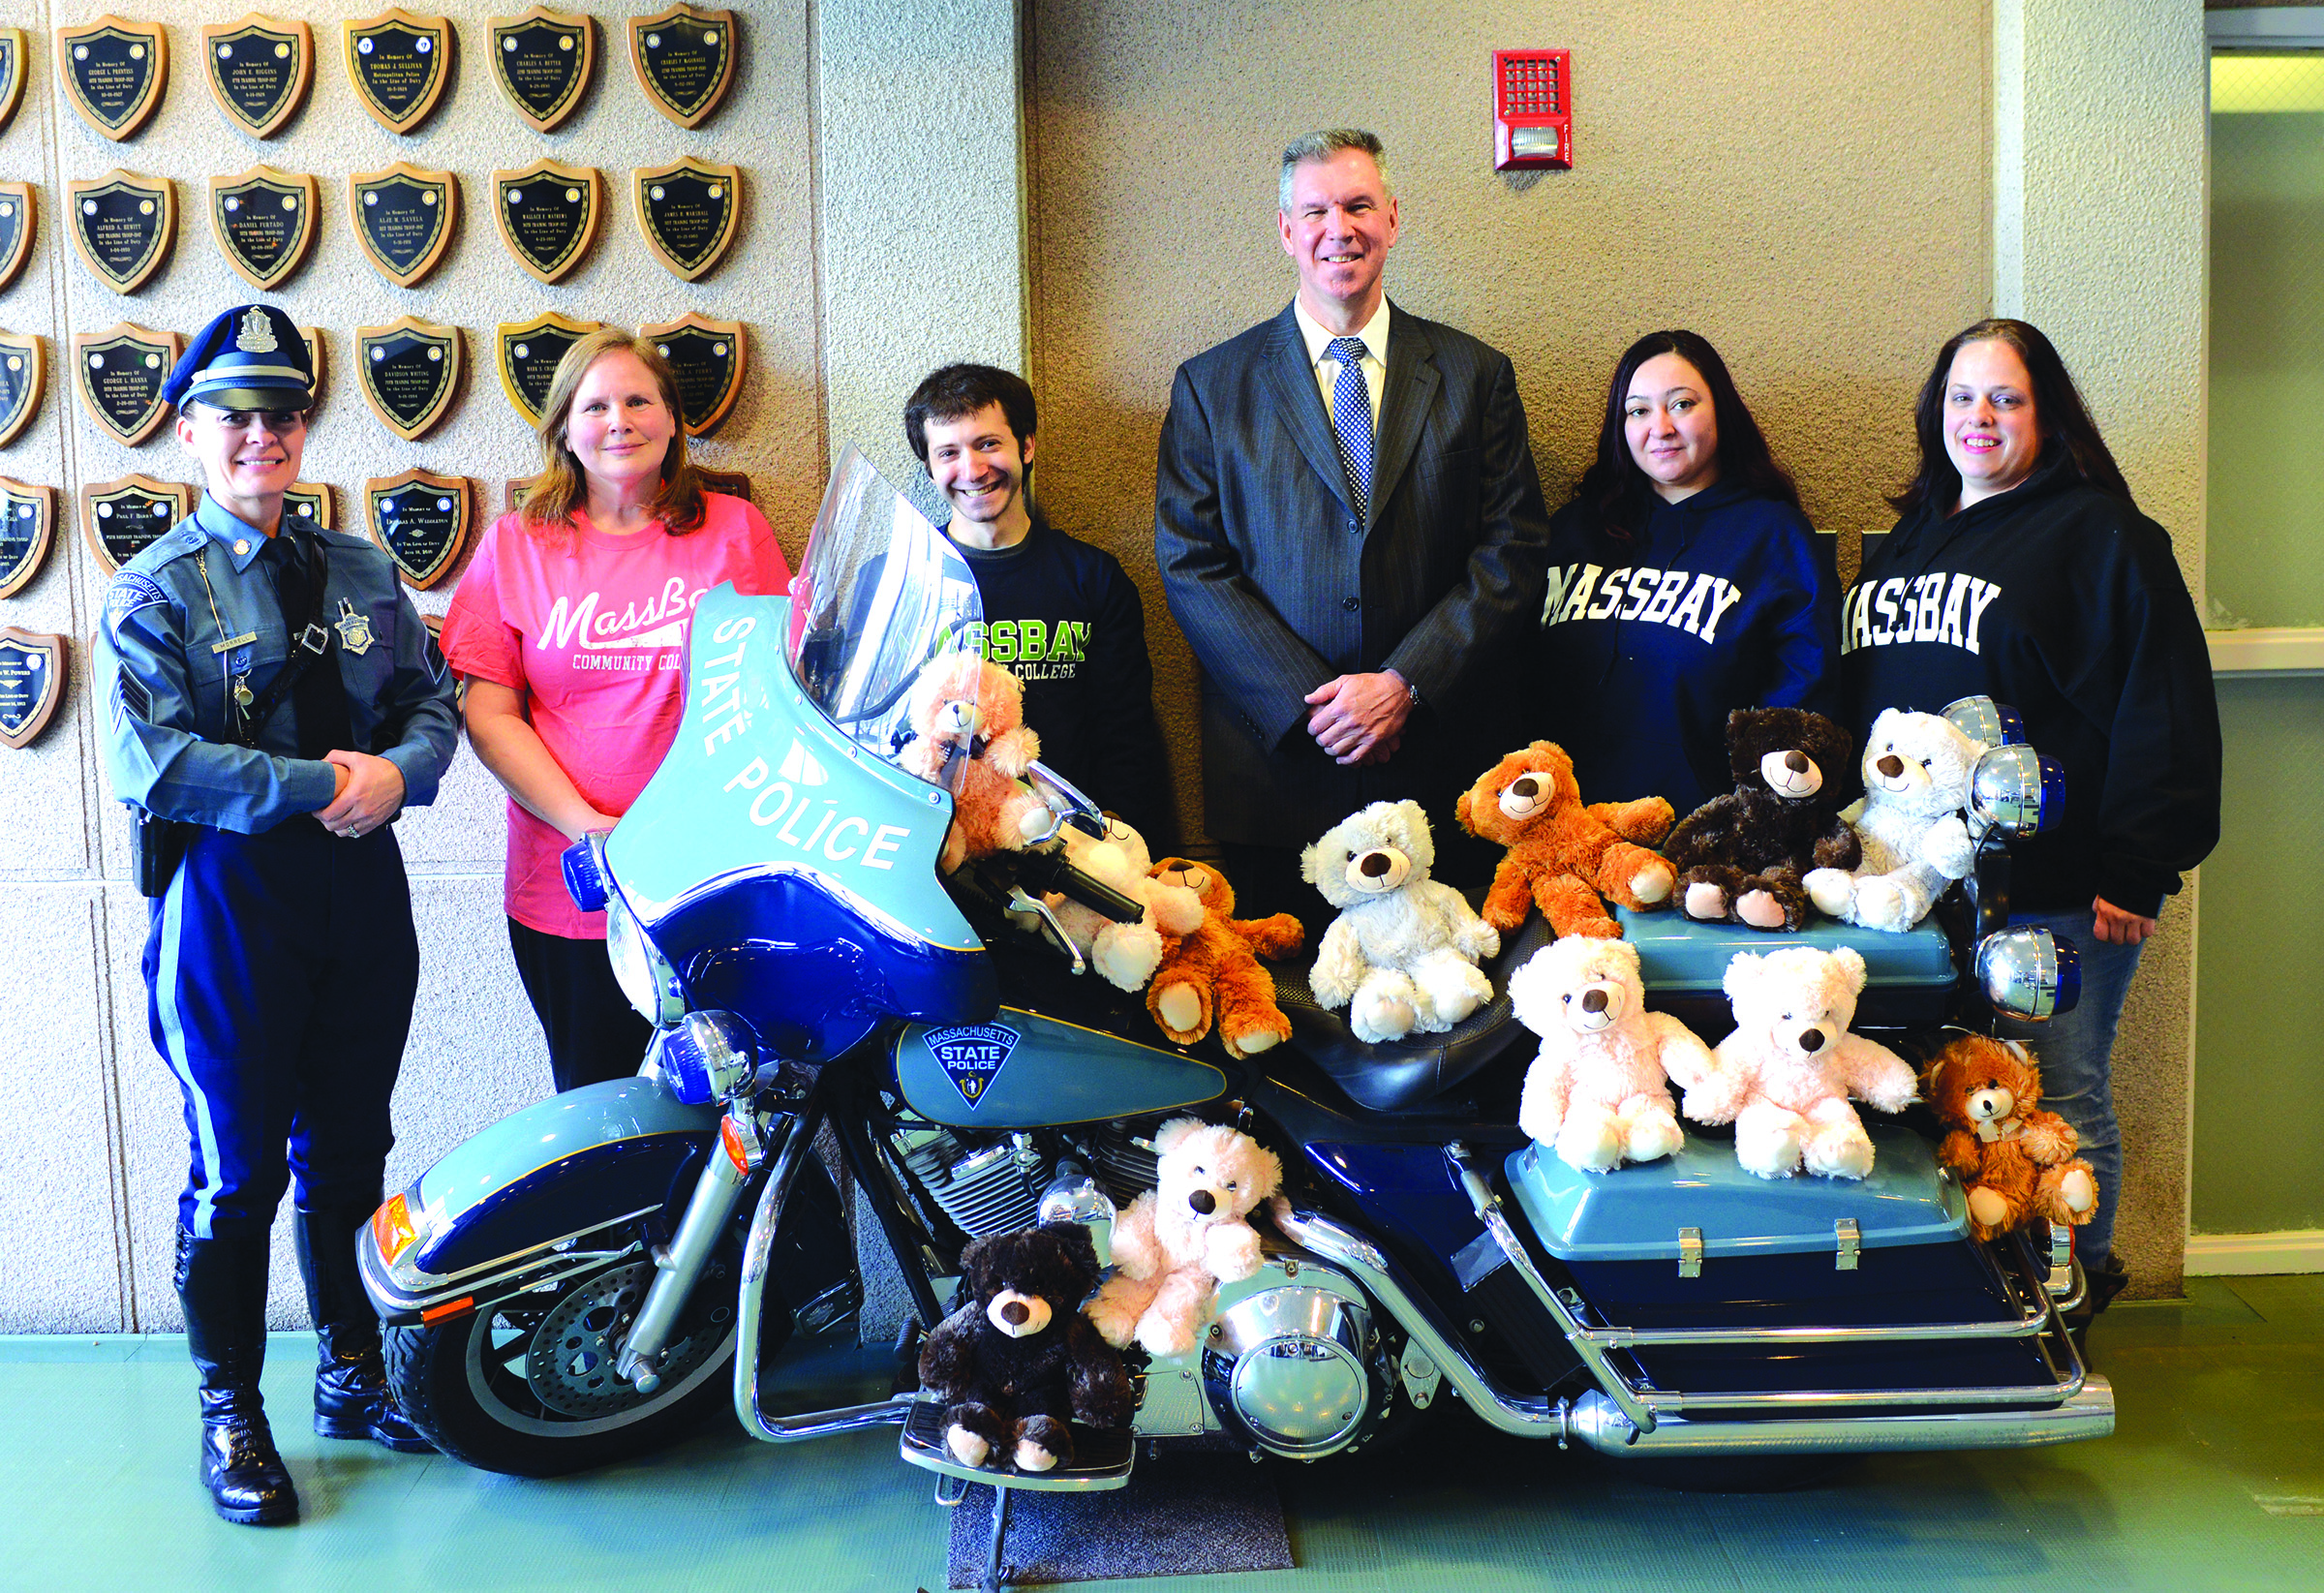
128 592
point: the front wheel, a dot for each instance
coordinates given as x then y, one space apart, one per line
526 1386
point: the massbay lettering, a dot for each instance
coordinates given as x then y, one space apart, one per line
1937 606
1587 592
775 804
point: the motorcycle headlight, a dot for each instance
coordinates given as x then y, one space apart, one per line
648 980
2029 972
1981 718
707 1056
2017 789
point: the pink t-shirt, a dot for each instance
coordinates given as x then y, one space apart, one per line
591 629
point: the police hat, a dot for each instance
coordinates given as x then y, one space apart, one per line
251 358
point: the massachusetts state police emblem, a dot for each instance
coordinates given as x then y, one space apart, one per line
971 1055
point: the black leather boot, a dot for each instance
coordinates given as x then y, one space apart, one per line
351 1381
222 1283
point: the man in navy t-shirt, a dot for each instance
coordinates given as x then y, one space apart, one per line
1059 615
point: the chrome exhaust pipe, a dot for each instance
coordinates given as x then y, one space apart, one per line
1599 1423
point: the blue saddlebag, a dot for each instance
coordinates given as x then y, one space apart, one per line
1910 978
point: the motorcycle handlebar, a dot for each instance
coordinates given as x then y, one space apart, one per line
1042 871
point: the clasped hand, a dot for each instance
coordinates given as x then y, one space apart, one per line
366 792
1360 718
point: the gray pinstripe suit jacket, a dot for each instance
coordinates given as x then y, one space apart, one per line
1279 588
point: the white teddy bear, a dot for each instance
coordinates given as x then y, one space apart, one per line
1124 955
1184 1236
1917 769
1783 1077
1402 954
1595 1093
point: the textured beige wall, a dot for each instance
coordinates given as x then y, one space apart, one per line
91 1142
2101 239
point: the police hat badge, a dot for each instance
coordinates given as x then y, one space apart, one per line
547 214
403 218
399 63
123 225
114 72
265 223
27 525
21 369
32 682
542 60
257 70
121 519
15 230
708 357
688 212
409 369
119 373
419 520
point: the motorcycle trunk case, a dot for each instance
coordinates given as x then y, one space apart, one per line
1910 978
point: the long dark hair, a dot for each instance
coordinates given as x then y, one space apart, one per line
2057 409
1619 496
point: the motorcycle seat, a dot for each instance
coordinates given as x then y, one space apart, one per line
1403 1075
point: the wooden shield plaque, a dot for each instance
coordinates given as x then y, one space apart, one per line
120 519
21 369
688 210
403 218
27 525
119 373
528 353
543 61
15 230
708 356
684 59
420 520
123 225
12 72
32 682
114 72
399 64
258 70
311 501
311 337
547 214
265 221
410 370
733 483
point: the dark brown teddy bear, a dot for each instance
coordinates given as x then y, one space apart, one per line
1741 857
1020 1360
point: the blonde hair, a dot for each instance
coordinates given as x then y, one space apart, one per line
563 487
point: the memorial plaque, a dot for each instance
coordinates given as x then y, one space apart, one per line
684 59
528 355
403 218
12 72
409 371
516 491
688 212
542 60
15 230
21 369
123 225
419 519
548 214
119 373
27 526
399 63
32 682
114 72
121 519
311 501
733 483
265 221
257 70
311 337
708 356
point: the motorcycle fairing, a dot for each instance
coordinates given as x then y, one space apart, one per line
1022 1070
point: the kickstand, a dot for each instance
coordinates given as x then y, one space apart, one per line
1000 1531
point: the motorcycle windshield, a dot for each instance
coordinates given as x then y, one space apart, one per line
881 593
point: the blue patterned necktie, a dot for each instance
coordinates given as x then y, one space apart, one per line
1352 422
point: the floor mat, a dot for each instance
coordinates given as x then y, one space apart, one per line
1181 1515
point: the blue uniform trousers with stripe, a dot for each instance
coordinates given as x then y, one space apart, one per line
280 970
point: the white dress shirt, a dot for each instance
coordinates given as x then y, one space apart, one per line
1373 364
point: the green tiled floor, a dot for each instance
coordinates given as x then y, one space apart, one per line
2214 1479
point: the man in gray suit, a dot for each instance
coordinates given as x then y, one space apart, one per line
1351 534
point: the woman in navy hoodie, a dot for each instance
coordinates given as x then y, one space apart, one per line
1684 582
2022 570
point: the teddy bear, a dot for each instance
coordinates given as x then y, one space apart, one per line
1124 955
1595 1093
968 719
1914 840
1402 954
1741 856
1562 854
1184 1236
1783 1077
2014 1161
1212 969
1019 1360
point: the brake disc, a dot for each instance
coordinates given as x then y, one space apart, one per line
571 1363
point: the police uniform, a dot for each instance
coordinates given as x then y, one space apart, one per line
279 962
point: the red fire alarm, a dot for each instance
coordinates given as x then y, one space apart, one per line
1533 110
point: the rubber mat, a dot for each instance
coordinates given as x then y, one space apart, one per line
1179 1517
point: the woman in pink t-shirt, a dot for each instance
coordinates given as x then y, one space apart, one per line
569 627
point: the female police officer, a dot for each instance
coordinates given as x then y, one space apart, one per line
270 700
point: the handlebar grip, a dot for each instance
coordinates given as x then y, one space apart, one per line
1050 871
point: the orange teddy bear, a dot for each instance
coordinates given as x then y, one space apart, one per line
1215 969
2014 1161
1562 854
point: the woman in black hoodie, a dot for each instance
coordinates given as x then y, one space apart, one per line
2020 568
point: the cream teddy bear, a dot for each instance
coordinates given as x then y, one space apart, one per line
1784 1076
1917 769
1595 1093
1402 954
1124 955
1180 1240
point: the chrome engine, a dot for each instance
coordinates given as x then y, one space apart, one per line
1297 1364
993 1183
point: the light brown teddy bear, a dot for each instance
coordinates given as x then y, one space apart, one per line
2014 1161
968 718
1562 854
1179 1242
1214 972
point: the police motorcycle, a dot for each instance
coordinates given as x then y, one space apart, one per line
594 1274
